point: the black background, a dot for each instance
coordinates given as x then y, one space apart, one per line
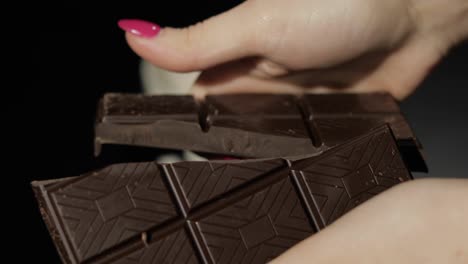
71 55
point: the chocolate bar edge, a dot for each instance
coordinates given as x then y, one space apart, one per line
54 228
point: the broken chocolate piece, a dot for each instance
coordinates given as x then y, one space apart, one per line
236 211
252 125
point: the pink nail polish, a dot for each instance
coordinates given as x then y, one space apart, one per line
139 27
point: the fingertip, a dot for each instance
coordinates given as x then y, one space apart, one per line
158 53
197 47
166 52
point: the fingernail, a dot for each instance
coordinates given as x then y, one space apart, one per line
139 27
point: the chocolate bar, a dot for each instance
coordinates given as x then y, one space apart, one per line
235 211
252 125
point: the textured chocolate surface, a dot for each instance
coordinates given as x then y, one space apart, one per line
252 125
240 211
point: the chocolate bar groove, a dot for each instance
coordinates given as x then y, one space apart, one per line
309 123
308 201
196 236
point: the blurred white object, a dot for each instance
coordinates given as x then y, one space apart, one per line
189 155
186 156
159 81
169 158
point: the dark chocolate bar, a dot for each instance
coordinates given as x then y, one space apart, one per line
237 211
252 125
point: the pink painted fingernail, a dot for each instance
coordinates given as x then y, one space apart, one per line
139 27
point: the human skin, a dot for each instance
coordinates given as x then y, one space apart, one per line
327 46
312 45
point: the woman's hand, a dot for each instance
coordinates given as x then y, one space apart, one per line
292 45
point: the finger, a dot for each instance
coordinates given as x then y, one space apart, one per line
262 76
240 76
246 84
218 39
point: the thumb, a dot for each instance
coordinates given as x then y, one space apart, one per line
216 40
